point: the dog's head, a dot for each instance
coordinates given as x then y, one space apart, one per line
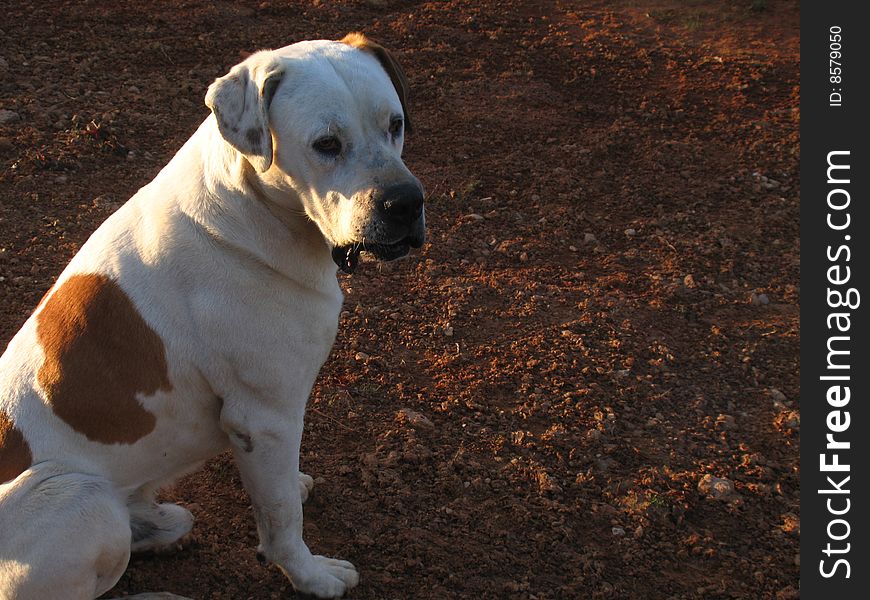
324 124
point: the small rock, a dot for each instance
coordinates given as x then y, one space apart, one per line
572 248
689 281
630 232
413 418
106 202
448 331
617 531
8 116
524 256
779 399
473 217
588 238
716 488
361 356
546 483
759 299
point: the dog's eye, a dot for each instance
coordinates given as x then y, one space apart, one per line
396 127
328 146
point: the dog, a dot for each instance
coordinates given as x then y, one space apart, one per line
196 319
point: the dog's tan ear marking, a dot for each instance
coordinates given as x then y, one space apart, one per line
240 102
397 75
15 455
99 354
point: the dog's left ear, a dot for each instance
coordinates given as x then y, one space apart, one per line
240 103
397 76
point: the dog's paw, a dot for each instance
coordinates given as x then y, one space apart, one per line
327 578
306 484
159 527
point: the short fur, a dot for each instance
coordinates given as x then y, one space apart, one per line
195 319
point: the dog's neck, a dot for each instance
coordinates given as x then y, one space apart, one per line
248 217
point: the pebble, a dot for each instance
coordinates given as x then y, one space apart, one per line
759 299
413 418
630 232
689 281
524 256
448 331
588 238
572 248
618 531
8 116
473 217
716 488
779 399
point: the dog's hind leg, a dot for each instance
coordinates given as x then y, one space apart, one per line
156 527
65 535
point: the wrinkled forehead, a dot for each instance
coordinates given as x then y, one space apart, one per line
331 75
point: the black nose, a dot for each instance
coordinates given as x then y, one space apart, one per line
402 203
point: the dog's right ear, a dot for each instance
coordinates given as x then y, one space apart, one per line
240 103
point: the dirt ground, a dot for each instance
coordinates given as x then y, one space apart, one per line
585 385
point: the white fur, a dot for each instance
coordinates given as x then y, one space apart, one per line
231 267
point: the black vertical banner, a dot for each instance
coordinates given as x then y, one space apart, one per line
835 300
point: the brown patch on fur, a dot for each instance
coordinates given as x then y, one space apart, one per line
15 455
99 353
397 75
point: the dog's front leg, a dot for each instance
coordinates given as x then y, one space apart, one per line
266 446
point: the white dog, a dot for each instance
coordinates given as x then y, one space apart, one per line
197 317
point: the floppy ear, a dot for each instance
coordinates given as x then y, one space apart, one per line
240 103
397 76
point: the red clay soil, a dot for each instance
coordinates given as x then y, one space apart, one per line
604 318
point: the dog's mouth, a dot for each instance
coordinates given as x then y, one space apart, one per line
347 256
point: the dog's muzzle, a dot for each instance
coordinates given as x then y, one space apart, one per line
400 210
